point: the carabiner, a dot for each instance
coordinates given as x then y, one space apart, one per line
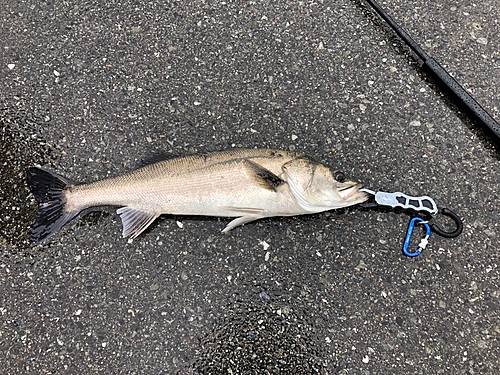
455 218
424 241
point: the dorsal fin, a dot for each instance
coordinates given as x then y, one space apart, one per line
263 176
155 157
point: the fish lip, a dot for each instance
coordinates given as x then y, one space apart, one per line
351 192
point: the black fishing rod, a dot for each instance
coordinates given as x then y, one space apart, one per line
442 77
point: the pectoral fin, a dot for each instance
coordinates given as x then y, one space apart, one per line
134 221
263 176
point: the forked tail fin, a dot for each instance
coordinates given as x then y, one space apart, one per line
48 188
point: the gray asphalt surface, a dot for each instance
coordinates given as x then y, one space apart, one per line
89 88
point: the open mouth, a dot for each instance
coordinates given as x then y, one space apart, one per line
349 193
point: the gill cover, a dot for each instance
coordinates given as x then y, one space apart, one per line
315 188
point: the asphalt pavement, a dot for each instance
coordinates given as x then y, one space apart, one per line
89 88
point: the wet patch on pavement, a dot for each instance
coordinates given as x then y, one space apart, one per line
261 333
20 147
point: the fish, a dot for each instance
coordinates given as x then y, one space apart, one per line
245 184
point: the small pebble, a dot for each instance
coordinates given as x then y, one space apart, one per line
360 266
264 244
489 233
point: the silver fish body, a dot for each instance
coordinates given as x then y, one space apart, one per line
246 183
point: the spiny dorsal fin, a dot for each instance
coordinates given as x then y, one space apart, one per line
263 177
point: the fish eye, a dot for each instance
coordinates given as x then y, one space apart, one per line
339 176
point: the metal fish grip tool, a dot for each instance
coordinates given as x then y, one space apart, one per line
424 206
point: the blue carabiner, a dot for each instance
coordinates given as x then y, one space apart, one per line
423 243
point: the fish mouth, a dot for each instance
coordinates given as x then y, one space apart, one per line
351 192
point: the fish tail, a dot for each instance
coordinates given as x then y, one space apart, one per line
48 188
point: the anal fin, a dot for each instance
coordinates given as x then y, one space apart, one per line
135 221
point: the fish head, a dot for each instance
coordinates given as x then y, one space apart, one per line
317 187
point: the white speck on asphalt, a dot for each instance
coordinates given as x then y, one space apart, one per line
264 244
